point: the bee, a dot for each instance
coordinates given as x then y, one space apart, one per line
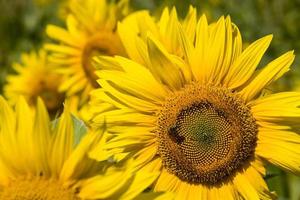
175 137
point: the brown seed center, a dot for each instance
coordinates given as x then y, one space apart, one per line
206 134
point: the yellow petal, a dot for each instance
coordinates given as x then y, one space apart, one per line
63 49
106 62
132 85
127 99
62 35
8 120
163 21
82 15
162 67
202 36
244 187
141 73
78 162
268 74
72 25
280 148
139 79
215 52
62 143
167 182
232 50
25 136
187 47
244 66
131 136
101 187
184 192
141 181
100 154
189 24
255 176
41 137
146 24
283 107
128 31
9 145
145 155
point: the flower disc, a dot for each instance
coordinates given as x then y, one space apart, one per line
205 134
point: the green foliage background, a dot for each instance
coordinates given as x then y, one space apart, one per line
22 25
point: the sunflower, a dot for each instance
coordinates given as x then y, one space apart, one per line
199 115
35 78
90 31
43 161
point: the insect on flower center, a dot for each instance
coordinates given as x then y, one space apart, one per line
205 134
104 43
36 188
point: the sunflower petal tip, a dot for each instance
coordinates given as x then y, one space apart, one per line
21 100
269 37
203 18
49 29
67 107
191 7
40 104
39 100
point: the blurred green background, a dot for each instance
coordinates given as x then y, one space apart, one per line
22 25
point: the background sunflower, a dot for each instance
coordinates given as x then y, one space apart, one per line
23 22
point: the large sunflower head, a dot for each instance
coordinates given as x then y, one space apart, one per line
90 30
34 79
197 115
49 161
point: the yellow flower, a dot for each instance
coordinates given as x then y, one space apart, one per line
35 79
90 31
50 162
191 106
